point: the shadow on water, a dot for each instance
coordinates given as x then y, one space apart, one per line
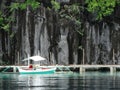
61 81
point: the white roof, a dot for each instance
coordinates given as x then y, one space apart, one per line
35 58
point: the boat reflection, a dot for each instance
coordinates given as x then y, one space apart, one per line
44 82
32 80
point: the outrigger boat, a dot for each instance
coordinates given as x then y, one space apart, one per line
36 70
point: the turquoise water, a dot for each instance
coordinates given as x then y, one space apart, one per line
61 81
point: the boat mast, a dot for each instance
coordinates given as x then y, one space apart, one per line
28 60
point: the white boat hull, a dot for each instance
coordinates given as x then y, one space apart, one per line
36 71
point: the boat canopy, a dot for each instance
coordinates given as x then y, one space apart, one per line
35 58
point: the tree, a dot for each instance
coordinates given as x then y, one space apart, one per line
101 7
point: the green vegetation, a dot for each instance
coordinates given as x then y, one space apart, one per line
22 6
70 11
72 14
5 21
55 5
69 14
101 7
1 20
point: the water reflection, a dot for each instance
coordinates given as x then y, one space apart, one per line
44 82
68 81
32 82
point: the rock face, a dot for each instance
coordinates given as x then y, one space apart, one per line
102 43
40 32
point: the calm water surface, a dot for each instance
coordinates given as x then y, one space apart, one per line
63 81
